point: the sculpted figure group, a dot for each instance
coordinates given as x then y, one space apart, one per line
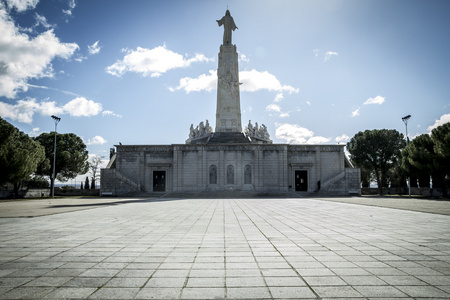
200 131
255 131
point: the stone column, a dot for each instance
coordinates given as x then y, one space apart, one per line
228 114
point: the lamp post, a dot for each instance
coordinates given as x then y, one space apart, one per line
56 119
405 120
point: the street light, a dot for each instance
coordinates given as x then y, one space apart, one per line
56 119
405 120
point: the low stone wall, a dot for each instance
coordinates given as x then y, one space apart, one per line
77 192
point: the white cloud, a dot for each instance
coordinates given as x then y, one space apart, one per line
94 48
292 133
295 134
376 100
255 80
318 140
204 82
284 115
252 81
278 97
326 56
309 103
442 120
355 112
96 140
21 5
248 109
35 132
153 62
23 58
330 54
273 107
41 20
81 107
72 5
80 58
110 113
24 110
342 138
243 57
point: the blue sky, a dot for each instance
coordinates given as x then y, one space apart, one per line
141 72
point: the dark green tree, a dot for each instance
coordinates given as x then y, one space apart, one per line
92 183
441 139
19 155
71 156
86 183
418 159
378 151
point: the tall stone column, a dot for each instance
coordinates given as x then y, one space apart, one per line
228 114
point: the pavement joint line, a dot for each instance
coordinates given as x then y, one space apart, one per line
276 248
198 248
251 249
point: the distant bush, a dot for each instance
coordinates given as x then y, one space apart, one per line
37 182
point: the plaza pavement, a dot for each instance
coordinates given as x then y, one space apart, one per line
221 249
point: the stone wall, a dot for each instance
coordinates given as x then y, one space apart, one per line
226 167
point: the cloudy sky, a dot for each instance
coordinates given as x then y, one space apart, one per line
140 72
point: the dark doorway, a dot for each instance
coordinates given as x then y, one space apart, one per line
159 181
301 181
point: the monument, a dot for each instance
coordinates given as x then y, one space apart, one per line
229 158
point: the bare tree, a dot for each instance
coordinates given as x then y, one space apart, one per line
94 166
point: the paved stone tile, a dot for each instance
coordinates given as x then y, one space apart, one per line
166 282
71 293
423 291
127 282
245 281
292 292
114 293
27 293
337 292
206 282
49 281
248 293
203 293
363 280
233 248
325 281
95 282
158 293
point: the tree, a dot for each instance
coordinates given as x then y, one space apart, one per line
418 159
441 139
92 184
429 156
94 166
81 186
19 155
86 183
378 151
71 156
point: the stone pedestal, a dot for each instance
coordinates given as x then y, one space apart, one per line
228 114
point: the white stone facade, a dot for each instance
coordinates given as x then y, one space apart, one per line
210 168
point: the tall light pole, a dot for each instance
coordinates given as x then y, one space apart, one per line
405 120
56 119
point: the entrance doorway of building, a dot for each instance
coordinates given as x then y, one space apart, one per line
159 181
301 181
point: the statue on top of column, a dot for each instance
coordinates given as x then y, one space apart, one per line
228 26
